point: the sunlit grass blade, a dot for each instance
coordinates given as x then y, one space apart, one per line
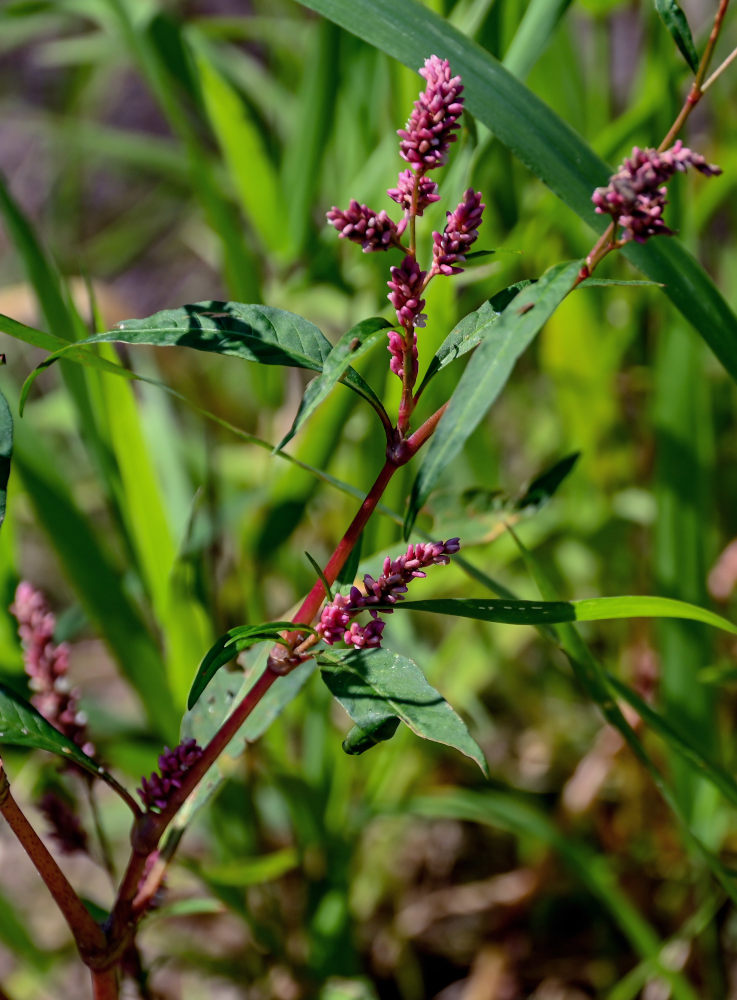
533 35
408 31
96 579
684 483
525 818
486 374
253 174
593 609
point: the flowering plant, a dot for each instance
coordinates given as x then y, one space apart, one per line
379 687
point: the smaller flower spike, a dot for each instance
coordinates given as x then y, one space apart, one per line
360 224
156 791
335 623
46 664
635 196
429 131
396 349
461 231
66 828
406 286
427 192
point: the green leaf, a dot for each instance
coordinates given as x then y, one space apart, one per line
675 21
229 645
544 486
261 334
370 734
503 339
6 451
202 721
22 726
409 32
356 342
471 330
604 282
383 682
595 609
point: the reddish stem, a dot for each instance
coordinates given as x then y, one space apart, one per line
695 93
105 984
88 935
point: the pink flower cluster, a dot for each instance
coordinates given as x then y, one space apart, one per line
373 230
156 791
335 622
427 192
434 118
47 663
461 231
635 196
424 144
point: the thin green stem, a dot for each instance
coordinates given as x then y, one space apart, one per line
719 70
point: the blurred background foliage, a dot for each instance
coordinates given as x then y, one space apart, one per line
161 153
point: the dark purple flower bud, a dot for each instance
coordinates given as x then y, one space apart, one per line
46 664
636 196
156 791
427 191
359 223
335 622
461 231
66 829
407 282
434 119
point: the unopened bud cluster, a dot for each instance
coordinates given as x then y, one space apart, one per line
156 791
424 144
336 623
635 196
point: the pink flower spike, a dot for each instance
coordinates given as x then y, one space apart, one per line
636 195
335 622
156 791
360 224
406 283
427 192
429 131
47 664
461 231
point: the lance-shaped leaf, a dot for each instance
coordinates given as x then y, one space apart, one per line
545 485
383 682
6 451
594 609
256 333
408 31
675 21
357 341
229 645
471 330
503 340
201 722
22 726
